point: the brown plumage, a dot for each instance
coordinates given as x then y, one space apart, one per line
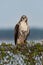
21 30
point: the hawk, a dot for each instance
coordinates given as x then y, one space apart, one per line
21 30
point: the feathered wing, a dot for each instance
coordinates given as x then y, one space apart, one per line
28 33
16 32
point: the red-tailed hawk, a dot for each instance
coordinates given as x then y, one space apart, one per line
22 30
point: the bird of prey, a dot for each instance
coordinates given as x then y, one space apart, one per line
21 30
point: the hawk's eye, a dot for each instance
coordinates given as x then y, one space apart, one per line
22 18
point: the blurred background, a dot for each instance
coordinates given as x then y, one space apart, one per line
12 10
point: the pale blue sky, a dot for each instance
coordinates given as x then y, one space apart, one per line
11 10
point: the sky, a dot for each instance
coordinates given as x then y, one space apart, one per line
12 10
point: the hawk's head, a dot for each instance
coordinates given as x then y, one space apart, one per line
23 17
